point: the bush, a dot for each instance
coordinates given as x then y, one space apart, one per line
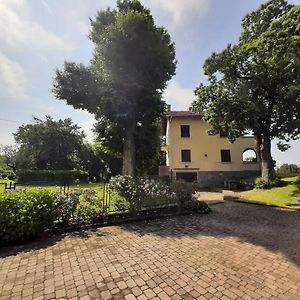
53 176
6 173
140 193
297 183
261 183
66 206
184 192
200 207
90 208
25 215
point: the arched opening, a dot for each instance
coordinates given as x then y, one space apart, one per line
249 156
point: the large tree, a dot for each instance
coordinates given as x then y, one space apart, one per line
255 85
8 156
132 61
50 144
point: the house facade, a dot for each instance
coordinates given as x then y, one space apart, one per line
193 155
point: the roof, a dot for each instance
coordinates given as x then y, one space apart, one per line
175 114
182 113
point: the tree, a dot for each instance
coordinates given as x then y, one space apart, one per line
133 59
49 144
9 156
255 85
288 169
147 140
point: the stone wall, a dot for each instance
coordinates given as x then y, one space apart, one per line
210 179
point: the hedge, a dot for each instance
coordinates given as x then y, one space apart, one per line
53 176
25 215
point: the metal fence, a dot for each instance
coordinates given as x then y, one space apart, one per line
104 194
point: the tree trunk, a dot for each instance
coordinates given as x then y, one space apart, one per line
258 141
267 164
129 148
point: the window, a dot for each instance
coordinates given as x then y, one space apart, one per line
225 156
249 156
185 155
185 130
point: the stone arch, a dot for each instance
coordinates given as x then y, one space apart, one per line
249 156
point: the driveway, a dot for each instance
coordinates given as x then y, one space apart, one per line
240 251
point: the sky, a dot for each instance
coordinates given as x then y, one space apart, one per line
37 36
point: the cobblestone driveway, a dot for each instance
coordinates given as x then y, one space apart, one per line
239 251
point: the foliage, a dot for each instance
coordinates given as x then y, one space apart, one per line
25 215
255 84
8 157
184 192
133 59
6 173
50 145
297 183
288 169
141 193
66 205
90 208
54 176
200 207
261 183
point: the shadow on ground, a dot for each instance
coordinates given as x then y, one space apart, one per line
275 229
49 241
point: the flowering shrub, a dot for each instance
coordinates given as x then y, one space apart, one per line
89 208
66 206
184 192
139 193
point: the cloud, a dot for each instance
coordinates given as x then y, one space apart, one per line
179 97
13 81
47 7
87 125
182 11
83 27
18 31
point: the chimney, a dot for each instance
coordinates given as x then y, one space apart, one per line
190 108
168 107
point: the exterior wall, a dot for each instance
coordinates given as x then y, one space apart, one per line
206 150
207 179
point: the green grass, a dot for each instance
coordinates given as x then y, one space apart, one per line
97 187
5 180
287 196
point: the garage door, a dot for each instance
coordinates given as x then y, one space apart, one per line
187 176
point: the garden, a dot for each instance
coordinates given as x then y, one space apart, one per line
29 212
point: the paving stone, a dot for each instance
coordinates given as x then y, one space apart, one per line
238 252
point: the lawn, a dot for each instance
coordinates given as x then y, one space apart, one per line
286 196
97 187
110 196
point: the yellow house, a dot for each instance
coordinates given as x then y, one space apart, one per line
193 155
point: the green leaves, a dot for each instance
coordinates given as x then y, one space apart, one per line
49 145
255 85
132 61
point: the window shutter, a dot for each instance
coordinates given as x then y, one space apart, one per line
185 130
225 156
186 155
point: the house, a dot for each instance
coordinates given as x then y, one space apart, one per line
193 155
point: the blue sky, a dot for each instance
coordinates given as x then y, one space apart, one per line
37 36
